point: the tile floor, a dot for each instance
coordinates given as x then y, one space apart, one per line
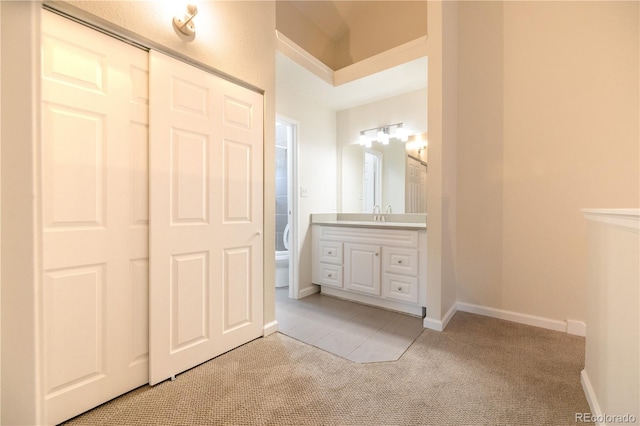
350 330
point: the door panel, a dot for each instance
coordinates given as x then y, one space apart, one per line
95 216
206 234
362 268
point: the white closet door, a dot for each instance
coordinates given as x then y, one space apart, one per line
95 217
206 229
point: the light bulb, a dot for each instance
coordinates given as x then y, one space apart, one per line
363 139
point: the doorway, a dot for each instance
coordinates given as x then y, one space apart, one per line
372 181
286 207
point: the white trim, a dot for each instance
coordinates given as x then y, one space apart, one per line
309 291
392 305
440 325
450 313
621 218
590 394
536 321
303 58
395 56
270 328
292 195
432 324
577 328
398 55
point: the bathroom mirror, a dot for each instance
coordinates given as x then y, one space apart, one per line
400 178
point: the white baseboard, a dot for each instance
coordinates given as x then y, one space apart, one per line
309 291
440 325
450 313
270 328
591 396
514 316
432 324
577 328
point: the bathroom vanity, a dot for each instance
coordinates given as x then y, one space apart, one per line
378 262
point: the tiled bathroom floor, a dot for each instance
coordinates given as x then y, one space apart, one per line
350 330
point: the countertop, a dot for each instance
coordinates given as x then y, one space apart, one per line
391 221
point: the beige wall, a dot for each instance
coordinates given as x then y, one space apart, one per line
449 156
20 123
441 187
316 169
479 155
548 111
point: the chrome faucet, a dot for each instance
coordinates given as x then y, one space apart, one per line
388 209
376 213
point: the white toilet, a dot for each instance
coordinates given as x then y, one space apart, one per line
282 261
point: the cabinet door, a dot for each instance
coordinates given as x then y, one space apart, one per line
362 268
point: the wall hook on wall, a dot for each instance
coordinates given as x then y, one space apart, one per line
185 23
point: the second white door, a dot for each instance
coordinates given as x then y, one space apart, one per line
206 255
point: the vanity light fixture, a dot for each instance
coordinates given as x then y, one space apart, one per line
383 134
185 23
423 144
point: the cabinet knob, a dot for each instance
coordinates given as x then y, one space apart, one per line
330 275
399 261
330 252
376 254
399 288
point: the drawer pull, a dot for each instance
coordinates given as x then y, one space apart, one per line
399 262
330 252
330 275
399 288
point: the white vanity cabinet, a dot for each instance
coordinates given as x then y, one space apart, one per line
374 264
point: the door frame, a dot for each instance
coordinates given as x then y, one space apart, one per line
292 195
377 178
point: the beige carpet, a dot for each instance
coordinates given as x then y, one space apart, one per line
480 371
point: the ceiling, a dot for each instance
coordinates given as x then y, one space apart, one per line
404 78
334 18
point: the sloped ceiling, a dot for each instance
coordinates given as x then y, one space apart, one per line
335 18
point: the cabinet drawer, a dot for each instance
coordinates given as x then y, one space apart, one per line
330 275
400 287
400 261
330 252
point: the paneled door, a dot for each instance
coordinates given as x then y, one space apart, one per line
416 186
206 160
94 217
